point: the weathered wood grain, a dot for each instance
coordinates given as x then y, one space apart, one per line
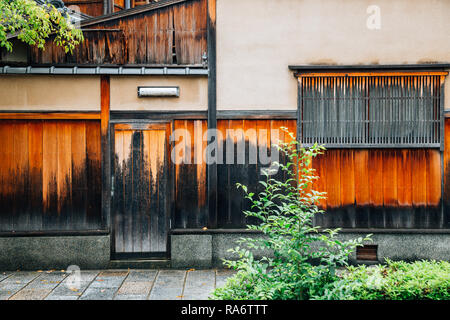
165 36
142 201
43 171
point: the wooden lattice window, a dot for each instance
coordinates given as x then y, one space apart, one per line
371 110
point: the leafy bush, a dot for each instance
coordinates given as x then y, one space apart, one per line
304 261
34 24
393 281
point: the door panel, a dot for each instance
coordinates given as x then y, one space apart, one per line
141 194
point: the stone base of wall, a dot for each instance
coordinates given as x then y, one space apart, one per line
191 251
54 252
406 246
202 250
208 250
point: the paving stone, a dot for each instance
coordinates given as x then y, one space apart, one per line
109 279
4 275
47 280
135 287
68 289
170 278
57 297
142 275
31 294
131 297
199 284
92 293
5 296
168 285
112 273
14 283
87 275
21 277
110 284
166 294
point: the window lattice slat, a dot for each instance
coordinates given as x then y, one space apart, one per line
370 111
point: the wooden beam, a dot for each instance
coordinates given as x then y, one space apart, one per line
105 147
257 114
212 109
370 74
50 115
445 136
158 115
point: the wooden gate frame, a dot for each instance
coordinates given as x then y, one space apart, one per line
131 122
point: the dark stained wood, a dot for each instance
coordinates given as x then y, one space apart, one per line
213 200
41 170
141 201
395 188
79 183
50 168
105 148
64 174
190 176
367 253
21 181
257 135
376 216
35 161
94 172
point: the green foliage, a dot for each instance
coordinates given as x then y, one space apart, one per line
33 24
303 260
394 281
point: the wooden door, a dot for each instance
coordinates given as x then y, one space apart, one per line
141 191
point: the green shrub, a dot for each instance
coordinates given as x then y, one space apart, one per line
393 281
285 210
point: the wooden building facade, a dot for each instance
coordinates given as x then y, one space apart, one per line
87 159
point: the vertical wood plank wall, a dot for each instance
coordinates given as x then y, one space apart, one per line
446 175
231 203
191 210
380 188
169 35
366 188
142 201
93 8
50 177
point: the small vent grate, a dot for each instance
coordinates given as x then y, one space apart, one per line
367 253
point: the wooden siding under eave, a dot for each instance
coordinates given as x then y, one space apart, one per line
50 175
93 8
171 35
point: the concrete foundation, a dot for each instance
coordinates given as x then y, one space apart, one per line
54 252
407 246
191 251
208 250
202 250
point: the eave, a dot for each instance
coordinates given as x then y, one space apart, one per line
79 70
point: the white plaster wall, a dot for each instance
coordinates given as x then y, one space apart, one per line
258 39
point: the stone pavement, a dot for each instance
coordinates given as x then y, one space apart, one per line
111 284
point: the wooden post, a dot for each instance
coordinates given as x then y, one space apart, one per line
105 149
212 110
445 136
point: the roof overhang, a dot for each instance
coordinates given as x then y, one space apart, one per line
302 69
131 71
129 12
